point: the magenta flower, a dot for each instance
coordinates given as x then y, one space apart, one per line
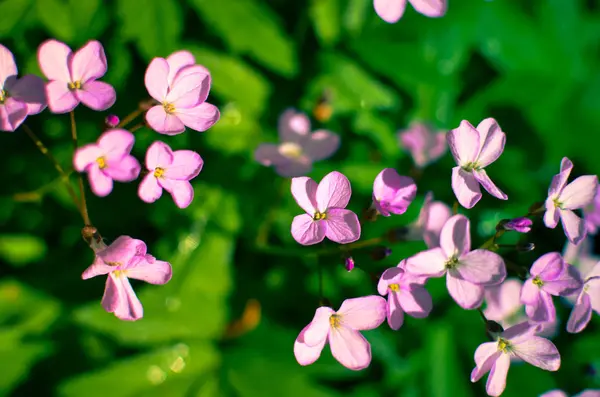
560 393
107 160
341 329
517 341
126 258
428 226
326 215
550 275
424 145
392 10
563 199
73 76
405 294
181 88
19 98
393 193
588 300
299 148
521 225
473 150
467 272
591 215
172 171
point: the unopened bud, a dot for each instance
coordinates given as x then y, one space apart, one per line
112 120
521 225
349 263
380 252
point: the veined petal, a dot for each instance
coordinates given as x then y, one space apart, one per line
306 355
485 181
465 187
455 238
89 62
126 169
390 10
573 225
560 180
199 118
543 311
149 189
415 301
520 332
548 266
333 191
30 90
567 283
342 226
307 231
162 122
430 8
159 155
304 190
188 87
579 193
97 95
439 213
150 270
389 276
350 348
538 352
156 79
496 382
54 58
552 215
430 263
318 329
12 114
465 293
60 98
116 144
85 156
485 358
464 143
121 251
129 307
186 165
364 313
113 294
491 140
581 314
100 183
181 191
98 268
530 293
482 267
177 61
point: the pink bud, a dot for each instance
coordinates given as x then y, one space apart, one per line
112 120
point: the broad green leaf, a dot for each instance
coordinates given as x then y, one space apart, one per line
119 65
73 21
355 14
20 250
251 27
11 14
325 15
56 18
18 358
235 132
381 132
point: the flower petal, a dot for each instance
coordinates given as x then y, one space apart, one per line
190 87
573 225
306 355
199 118
150 270
186 165
503 300
416 301
97 95
389 276
98 268
54 58
567 283
530 293
581 314
12 114
543 311
159 155
430 263
177 61
291 168
455 238
496 382
89 62
482 177
439 213
149 189
333 191
321 144
304 190
465 187
318 329
293 126
100 183
342 226
60 98
552 215
395 314
364 313
126 169
464 143
30 90
548 266
129 307
8 67
156 79
162 122
465 293
395 190
268 154
121 251
482 267
307 231
560 180
390 10
350 348
430 8
538 352
485 357
181 191
116 144
579 193
492 140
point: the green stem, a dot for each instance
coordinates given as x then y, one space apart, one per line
84 210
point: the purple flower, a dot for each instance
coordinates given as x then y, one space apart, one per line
424 145
560 393
299 148
591 214
405 294
392 10
473 150
341 329
521 225
550 275
326 215
107 160
73 76
519 341
428 226
126 258
563 199
588 299
467 272
393 193
172 171
181 88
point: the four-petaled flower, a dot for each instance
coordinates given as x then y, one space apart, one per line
467 272
393 193
550 275
584 393
392 10
405 294
19 98
341 329
473 150
424 145
126 258
299 148
107 160
518 341
563 199
172 171
181 88
588 300
73 76
326 215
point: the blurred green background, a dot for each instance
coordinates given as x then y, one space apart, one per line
534 66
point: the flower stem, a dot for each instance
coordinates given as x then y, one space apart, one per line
137 126
83 207
482 315
130 117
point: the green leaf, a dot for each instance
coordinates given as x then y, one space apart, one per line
251 28
18 358
235 132
154 26
20 250
73 21
119 65
381 132
11 14
56 18
325 15
355 13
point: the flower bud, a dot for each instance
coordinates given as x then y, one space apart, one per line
112 121
349 263
521 225
380 252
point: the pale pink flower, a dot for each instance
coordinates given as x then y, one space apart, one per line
18 97
563 199
588 300
467 272
474 149
560 393
72 76
108 159
392 10
126 258
405 294
181 87
591 215
581 255
550 275
520 341
341 329
298 148
172 171
428 226
326 215
392 192
424 145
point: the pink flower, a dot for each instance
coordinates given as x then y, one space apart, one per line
299 148
521 225
467 272
473 150
560 393
519 341
341 329
581 255
563 199
326 215
107 160
172 171
588 299
181 87
126 258
73 76
18 97
591 214
424 145
405 294
393 193
392 10
550 275
432 217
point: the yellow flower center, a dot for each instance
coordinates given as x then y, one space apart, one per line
101 162
319 216
557 203
394 287
3 96
452 263
503 345
74 85
120 273
290 150
159 172
537 281
471 166
334 320
169 107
